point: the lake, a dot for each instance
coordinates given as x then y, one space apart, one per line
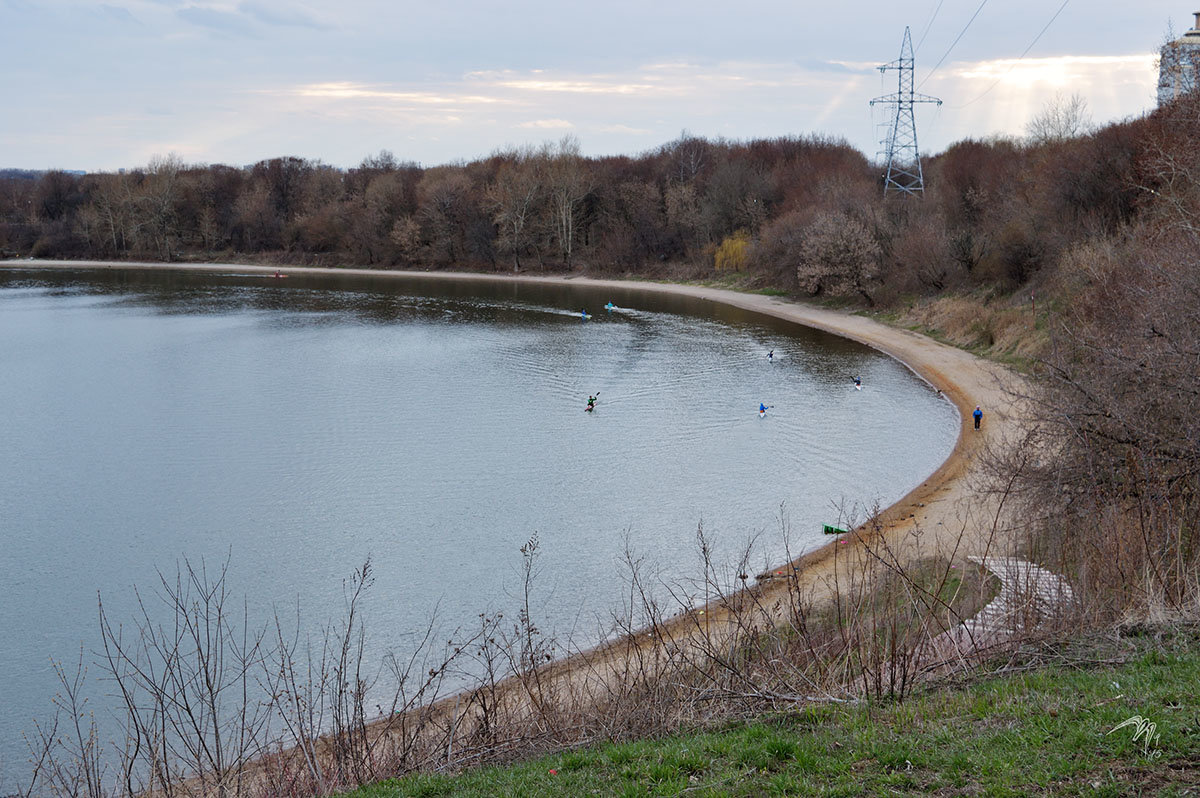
297 427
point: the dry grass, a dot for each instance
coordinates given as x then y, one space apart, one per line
999 330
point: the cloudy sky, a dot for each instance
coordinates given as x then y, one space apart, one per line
102 85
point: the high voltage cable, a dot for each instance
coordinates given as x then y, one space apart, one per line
996 82
925 32
960 35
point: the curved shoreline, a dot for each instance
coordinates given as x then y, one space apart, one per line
945 515
966 380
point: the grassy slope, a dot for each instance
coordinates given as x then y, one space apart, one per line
1046 729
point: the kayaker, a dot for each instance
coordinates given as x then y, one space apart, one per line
762 408
591 403
771 356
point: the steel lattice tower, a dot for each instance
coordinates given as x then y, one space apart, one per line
903 161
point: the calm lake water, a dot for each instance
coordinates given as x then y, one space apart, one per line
299 426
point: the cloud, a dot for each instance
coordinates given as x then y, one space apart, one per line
632 131
119 14
1056 71
844 67
534 81
346 90
225 21
546 124
576 86
291 17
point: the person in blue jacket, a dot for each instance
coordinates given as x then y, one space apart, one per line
762 408
978 414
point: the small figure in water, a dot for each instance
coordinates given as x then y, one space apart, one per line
610 307
591 403
771 356
978 414
858 382
583 314
761 408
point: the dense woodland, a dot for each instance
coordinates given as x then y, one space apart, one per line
796 213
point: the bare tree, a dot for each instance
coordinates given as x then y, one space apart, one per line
155 204
1060 119
66 751
838 257
188 686
443 213
567 183
513 199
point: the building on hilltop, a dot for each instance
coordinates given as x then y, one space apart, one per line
1179 64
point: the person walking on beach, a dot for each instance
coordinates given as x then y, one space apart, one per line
978 414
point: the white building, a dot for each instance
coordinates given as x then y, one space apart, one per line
1179 65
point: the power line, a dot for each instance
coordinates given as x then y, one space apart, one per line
952 44
1024 53
925 32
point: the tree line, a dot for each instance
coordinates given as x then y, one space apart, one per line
800 213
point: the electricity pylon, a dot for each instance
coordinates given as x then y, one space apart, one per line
903 161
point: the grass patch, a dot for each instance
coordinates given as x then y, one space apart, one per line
1003 329
1052 729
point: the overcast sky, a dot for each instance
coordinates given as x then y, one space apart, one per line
102 85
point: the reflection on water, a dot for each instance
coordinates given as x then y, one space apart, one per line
299 426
